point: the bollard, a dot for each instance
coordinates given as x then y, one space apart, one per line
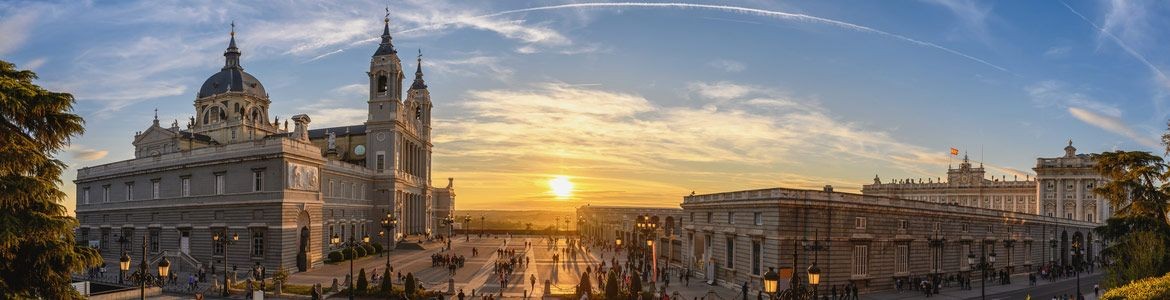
451 286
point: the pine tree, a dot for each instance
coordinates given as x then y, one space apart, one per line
387 282
362 282
37 248
410 285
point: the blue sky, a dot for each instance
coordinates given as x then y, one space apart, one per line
641 103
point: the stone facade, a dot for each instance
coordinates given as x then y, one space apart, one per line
283 192
969 186
734 237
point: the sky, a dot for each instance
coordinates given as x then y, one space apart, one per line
554 104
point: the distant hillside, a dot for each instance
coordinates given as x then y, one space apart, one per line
517 219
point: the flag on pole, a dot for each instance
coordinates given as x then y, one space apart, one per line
954 151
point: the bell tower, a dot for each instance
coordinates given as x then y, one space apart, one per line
384 104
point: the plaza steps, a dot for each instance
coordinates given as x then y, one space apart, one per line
404 245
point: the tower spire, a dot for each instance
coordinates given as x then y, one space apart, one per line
232 54
385 47
418 84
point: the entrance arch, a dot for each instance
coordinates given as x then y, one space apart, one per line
303 241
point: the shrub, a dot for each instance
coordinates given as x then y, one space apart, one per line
348 253
360 251
410 285
387 282
1149 288
362 284
378 248
335 256
369 249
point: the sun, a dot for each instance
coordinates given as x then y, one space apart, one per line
561 186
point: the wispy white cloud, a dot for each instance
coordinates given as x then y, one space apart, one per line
356 89
15 27
474 65
1057 52
1052 93
35 63
757 137
749 11
971 14
1133 31
1112 124
727 65
82 153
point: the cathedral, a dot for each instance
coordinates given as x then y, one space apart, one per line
234 170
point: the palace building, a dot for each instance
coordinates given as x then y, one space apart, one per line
898 230
236 170
1062 188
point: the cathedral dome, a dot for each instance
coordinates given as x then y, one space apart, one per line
232 77
232 80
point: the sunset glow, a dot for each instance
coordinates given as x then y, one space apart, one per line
561 186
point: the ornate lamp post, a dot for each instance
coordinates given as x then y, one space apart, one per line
984 264
141 277
389 223
224 241
467 228
124 261
771 279
814 277
1078 257
349 245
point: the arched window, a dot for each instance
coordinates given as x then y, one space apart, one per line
381 83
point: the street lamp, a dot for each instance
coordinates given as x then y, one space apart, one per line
1078 256
123 266
814 277
224 241
771 279
336 241
389 222
141 277
984 264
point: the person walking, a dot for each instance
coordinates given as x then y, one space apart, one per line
743 290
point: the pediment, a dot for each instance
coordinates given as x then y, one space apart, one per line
155 134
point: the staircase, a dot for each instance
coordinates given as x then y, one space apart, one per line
180 262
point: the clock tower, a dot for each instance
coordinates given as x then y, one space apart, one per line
385 77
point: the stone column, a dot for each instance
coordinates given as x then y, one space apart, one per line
1080 196
1058 186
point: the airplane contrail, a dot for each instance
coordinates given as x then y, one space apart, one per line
725 8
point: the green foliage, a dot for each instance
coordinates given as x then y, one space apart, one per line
280 276
377 248
1145 289
612 286
348 253
1144 256
411 284
335 256
1138 228
362 283
38 252
360 251
387 282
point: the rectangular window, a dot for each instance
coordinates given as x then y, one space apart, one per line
154 189
730 218
85 196
381 161
105 243
331 232
352 190
257 181
757 257
85 236
129 191
128 234
902 224
964 228
154 237
332 192
859 223
363 191
902 259
1089 218
758 218
730 253
186 186
963 252
936 259
1068 216
219 184
709 216
258 243
860 260
692 217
